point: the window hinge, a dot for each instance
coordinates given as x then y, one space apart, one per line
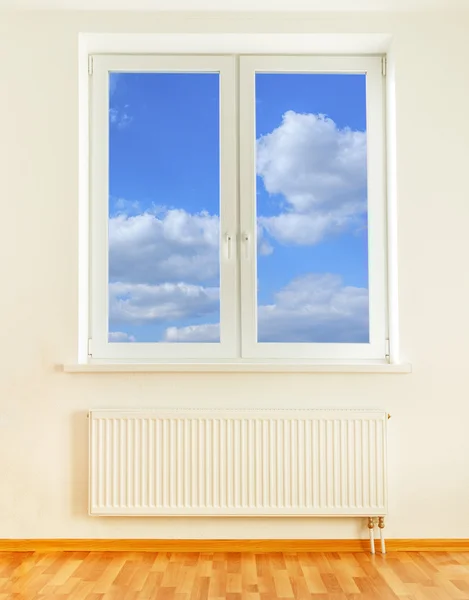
90 65
384 64
388 351
90 352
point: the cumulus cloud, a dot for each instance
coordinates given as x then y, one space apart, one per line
120 336
193 333
320 170
142 303
315 308
311 228
169 247
311 308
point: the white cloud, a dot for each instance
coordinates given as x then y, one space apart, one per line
141 303
119 117
172 246
160 263
311 228
193 333
311 308
321 172
316 308
120 336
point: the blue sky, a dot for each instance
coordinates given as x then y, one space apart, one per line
169 152
311 206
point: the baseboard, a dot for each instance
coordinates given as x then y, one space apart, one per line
148 545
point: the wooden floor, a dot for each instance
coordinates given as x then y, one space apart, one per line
233 576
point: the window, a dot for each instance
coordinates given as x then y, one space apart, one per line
237 208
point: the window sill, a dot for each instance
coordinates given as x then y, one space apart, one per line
238 367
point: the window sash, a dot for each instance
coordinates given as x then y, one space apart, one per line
99 302
377 273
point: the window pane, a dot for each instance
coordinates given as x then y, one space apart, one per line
164 188
312 264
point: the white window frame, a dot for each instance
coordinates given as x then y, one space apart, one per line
238 261
101 348
376 178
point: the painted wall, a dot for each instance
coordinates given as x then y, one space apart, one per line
43 424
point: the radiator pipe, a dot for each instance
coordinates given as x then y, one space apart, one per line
381 534
371 527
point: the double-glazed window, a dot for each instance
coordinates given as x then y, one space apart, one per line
237 208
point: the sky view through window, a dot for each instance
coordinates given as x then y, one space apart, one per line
164 208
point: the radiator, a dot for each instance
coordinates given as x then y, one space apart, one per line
239 462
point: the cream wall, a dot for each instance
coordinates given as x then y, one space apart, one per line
43 424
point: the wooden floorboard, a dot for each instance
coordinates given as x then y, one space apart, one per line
81 575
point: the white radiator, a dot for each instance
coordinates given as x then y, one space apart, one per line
238 462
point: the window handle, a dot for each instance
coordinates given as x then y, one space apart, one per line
246 238
229 245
